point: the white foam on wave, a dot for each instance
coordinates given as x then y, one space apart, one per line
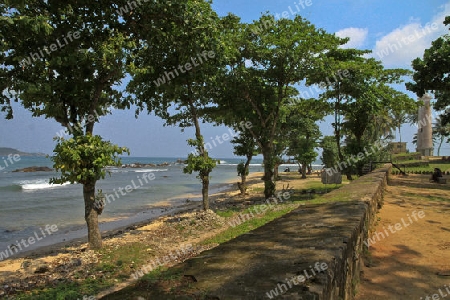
40 185
117 171
150 170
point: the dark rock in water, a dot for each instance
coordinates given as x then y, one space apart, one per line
34 169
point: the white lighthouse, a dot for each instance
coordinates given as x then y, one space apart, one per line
425 130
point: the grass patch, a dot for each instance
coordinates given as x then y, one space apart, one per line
67 291
253 223
227 213
115 264
443 166
406 156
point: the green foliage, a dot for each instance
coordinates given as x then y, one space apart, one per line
245 145
329 151
441 131
183 32
83 158
69 82
431 73
201 163
241 169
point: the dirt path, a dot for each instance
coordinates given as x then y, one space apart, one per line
414 261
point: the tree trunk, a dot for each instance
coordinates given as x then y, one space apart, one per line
269 184
304 168
243 184
337 133
205 190
440 145
246 169
275 172
91 216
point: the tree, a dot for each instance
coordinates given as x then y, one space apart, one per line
431 73
302 148
176 69
441 131
82 159
329 151
359 93
335 78
262 76
302 132
245 145
63 61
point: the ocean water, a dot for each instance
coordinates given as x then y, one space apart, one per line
28 202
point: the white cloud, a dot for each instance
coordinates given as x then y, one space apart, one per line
357 36
402 45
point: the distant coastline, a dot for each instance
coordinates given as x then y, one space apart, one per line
6 151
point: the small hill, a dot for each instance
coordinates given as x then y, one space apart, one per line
4 151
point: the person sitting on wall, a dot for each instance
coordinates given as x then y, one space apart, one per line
436 174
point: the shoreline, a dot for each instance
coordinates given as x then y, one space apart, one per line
76 235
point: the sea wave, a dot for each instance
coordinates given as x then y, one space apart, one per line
39 185
117 171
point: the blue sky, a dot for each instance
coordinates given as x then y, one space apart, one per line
396 31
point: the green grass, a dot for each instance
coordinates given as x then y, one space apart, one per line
443 166
228 212
67 291
253 223
410 162
115 265
406 156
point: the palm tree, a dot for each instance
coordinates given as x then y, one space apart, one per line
398 119
440 132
